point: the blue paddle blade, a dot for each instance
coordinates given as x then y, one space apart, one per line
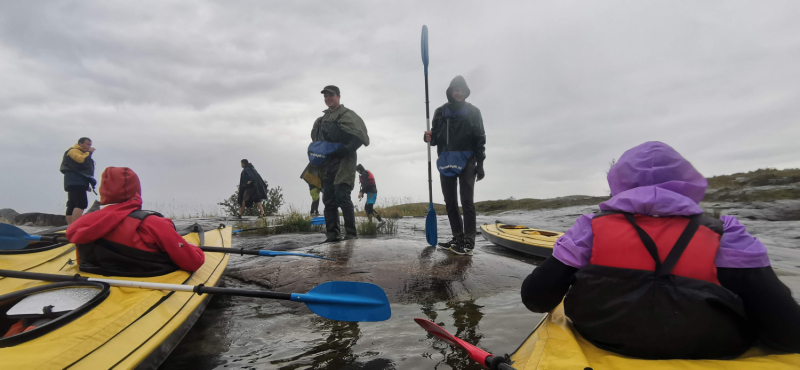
318 220
425 48
347 301
430 227
12 237
275 253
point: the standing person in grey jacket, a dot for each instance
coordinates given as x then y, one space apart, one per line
457 132
77 166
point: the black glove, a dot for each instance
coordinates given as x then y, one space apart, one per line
479 170
341 152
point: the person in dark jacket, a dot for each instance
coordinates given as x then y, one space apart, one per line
252 188
368 187
340 128
77 166
457 132
651 276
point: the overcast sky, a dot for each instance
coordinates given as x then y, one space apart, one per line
181 91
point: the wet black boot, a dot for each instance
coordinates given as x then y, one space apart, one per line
349 216
332 231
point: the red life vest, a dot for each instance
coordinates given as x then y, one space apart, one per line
617 244
370 180
123 253
651 290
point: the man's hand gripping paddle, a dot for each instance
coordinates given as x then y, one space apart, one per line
482 357
430 220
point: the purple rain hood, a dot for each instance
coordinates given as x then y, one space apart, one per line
653 179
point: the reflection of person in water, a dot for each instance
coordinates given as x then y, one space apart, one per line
443 280
336 352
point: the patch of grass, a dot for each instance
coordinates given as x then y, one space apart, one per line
759 177
733 195
292 221
4 221
366 227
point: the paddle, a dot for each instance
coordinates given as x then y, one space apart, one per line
334 300
12 237
482 357
255 228
430 220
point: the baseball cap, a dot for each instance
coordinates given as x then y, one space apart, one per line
330 88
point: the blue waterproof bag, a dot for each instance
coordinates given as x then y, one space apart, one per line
452 163
319 151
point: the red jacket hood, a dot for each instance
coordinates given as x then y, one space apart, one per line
119 184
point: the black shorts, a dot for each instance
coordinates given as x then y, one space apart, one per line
76 198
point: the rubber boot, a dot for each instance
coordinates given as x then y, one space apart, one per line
349 216
378 216
332 231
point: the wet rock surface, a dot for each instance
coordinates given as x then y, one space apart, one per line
476 298
40 219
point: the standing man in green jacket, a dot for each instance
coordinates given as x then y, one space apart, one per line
341 131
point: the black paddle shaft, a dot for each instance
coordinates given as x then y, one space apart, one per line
428 117
199 289
61 239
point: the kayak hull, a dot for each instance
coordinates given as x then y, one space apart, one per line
535 242
131 329
554 344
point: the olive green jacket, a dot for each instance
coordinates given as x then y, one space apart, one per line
350 123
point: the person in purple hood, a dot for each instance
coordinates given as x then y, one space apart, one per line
651 276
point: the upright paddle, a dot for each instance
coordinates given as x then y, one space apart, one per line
480 356
14 238
430 220
334 300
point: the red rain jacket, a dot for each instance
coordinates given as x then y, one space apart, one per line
153 234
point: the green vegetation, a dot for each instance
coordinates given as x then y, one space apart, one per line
291 222
367 227
4 221
271 205
759 177
493 206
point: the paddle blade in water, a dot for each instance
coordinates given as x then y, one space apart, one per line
347 301
437 331
318 220
430 227
275 253
12 237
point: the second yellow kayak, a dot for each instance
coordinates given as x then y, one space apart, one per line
523 239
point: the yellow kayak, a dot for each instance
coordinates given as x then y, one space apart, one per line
555 344
122 328
523 239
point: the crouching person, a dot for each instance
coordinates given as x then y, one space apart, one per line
123 240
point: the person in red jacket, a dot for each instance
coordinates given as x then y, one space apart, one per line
123 240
